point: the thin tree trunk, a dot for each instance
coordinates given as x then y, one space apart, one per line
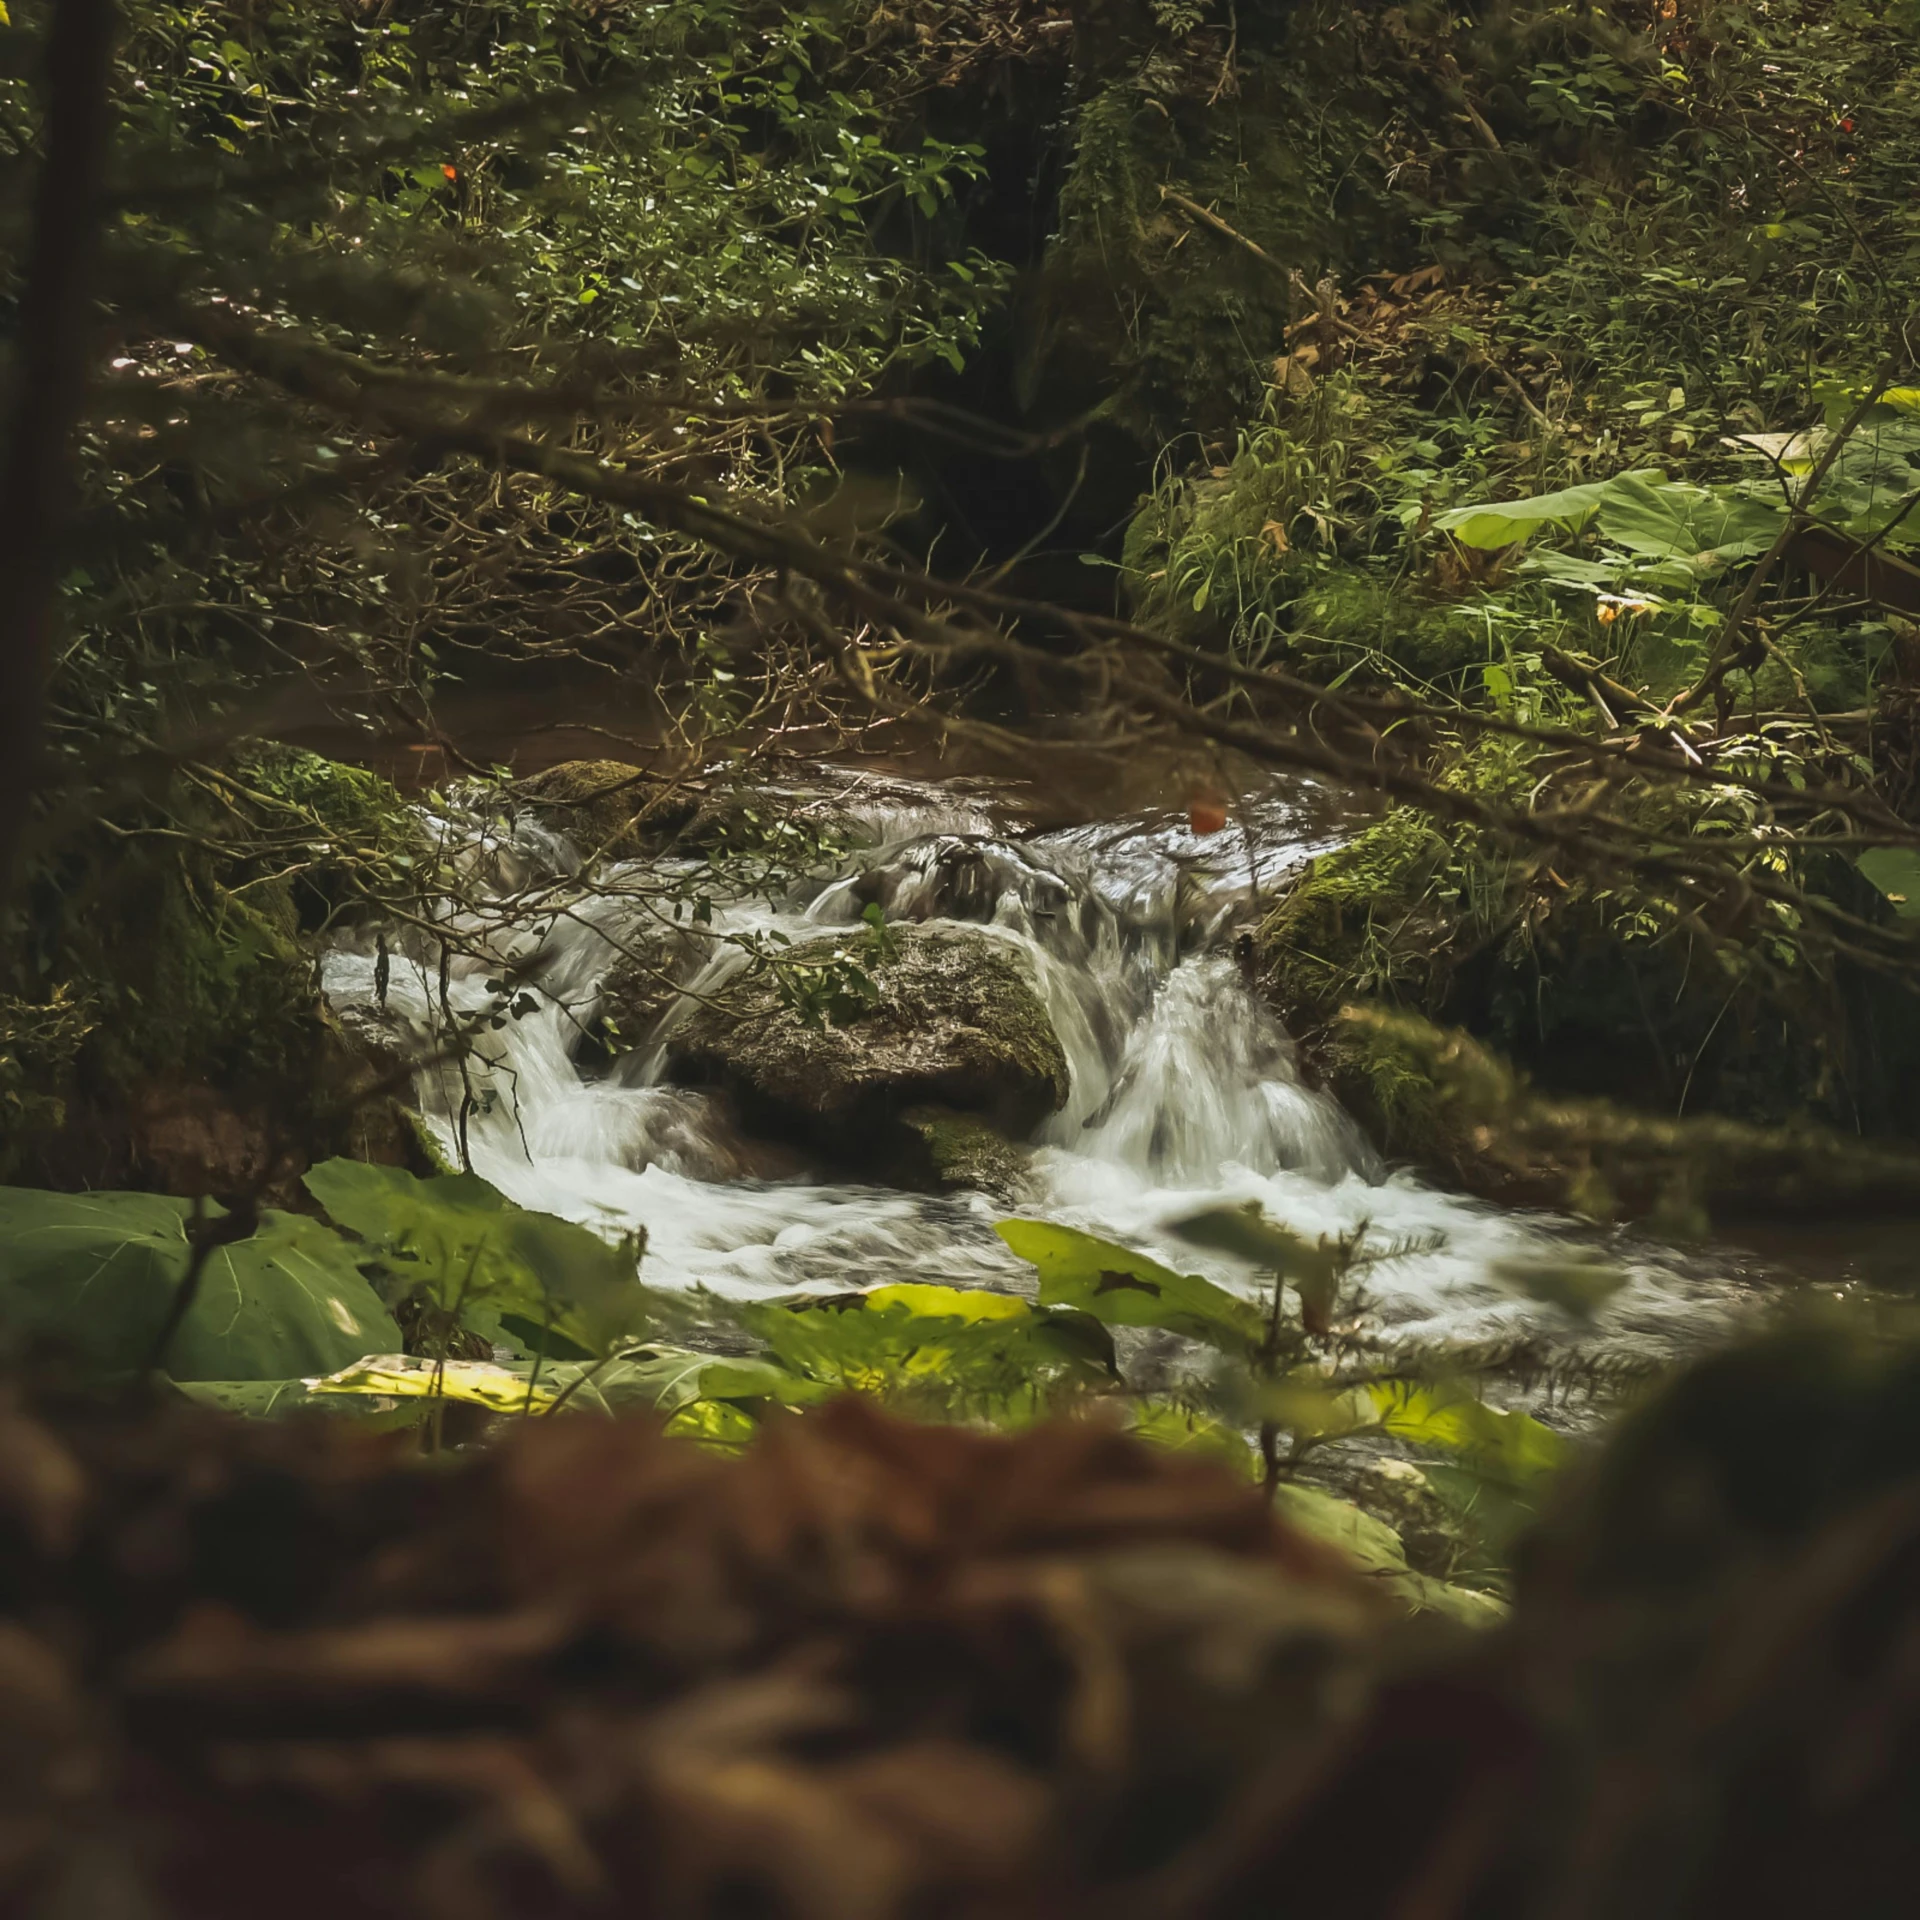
50 378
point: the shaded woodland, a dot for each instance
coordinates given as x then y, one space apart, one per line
959 958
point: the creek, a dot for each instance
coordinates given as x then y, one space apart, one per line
1185 1090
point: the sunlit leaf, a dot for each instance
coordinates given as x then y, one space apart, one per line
405 1376
990 1351
715 1424
949 1303
1127 1289
1506 523
1511 1445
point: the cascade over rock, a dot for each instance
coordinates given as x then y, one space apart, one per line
957 1020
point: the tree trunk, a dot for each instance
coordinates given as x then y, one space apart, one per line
50 378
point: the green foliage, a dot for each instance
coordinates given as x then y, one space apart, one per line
675 211
1124 1289
38 1046
943 1350
1268 1373
457 1247
1374 1546
91 1278
829 986
1510 1447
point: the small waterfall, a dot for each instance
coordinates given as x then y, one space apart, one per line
1185 1090
1207 1080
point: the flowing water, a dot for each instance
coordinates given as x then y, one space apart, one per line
1184 1086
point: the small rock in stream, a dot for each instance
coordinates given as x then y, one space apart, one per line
953 1152
956 1021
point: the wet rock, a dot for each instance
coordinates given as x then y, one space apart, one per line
951 1152
363 1082
954 1019
195 1140
635 991
377 1043
605 806
621 812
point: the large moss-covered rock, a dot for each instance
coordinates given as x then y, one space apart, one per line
953 1017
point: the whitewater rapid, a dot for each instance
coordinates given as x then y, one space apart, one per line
1185 1091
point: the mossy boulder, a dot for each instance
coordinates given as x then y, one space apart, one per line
198 1057
951 1152
950 1016
1438 1098
611 810
605 807
1359 921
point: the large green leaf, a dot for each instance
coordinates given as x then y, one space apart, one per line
1507 523
287 1301
1513 1448
515 1276
1896 872
1704 528
1375 1548
1127 1289
95 1276
1691 530
407 1376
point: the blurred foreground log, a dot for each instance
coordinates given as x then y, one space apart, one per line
876 1669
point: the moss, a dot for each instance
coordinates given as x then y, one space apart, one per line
356 805
1438 1097
1358 922
217 998
358 834
845 1034
959 1152
1596 988
598 804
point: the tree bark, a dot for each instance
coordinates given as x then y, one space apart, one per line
50 381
